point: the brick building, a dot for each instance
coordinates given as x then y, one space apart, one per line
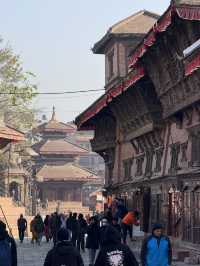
147 123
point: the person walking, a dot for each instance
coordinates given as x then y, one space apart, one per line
103 225
22 227
82 224
69 223
63 253
112 252
156 249
47 230
75 229
92 241
55 225
39 228
32 229
63 219
116 225
130 219
121 210
8 250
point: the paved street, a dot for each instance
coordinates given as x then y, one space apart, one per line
33 255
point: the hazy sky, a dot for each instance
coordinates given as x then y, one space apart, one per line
54 39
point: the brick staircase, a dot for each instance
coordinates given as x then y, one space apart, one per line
64 207
12 213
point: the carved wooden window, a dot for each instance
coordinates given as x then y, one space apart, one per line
127 168
175 150
111 64
195 149
139 162
159 155
149 162
184 147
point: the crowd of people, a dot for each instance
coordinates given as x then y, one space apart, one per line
103 235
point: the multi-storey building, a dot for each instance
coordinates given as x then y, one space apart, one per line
147 123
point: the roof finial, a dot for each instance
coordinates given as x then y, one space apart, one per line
53 118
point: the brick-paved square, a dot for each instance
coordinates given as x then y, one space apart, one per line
34 255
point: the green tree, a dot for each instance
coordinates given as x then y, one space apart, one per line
17 90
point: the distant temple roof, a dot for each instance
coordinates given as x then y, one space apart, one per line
9 134
66 172
53 125
137 24
58 146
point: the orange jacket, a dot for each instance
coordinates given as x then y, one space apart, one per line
129 219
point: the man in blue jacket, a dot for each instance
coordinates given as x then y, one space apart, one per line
156 249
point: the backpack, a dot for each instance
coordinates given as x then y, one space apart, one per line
5 253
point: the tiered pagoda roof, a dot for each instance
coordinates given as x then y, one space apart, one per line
58 146
53 125
66 172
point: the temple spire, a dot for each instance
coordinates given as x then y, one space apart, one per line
53 118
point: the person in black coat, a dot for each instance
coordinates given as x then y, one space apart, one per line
55 224
116 225
75 229
63 253
82 231
69 222
113 252
92 241
22 226
5 239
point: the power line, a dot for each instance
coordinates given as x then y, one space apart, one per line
71 97
51 93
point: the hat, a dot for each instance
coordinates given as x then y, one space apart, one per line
63 235
157 226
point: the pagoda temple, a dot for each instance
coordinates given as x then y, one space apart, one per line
59 178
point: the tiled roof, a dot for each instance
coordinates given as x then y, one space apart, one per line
136 25
11 134
53 125
58 146
66 172
140 22
186 2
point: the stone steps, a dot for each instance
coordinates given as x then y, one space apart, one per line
65 207
12 213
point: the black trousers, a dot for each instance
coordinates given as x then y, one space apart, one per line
125 230
21 235
81 242
74 239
